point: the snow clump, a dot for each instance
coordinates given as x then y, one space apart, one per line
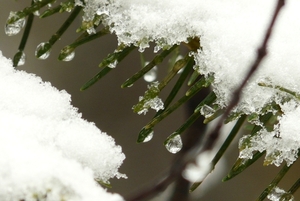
48 152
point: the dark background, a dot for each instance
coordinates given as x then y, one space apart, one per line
109 107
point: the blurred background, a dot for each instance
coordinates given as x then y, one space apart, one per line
109 107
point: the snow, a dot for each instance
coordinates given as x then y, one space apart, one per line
140 22
47 151
278 194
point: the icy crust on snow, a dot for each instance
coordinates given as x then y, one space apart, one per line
47 150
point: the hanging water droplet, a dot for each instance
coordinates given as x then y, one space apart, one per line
207 111
69 57
19 59
22 59
144 133
174 144
43 50
179 57
151 75
113 64
149 137
14 28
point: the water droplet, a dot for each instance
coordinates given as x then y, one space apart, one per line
149 137
19 59
179 57
151 75
69 57
280 194
144 133
113 64
207 111
180 71
14 28
174 144
43 50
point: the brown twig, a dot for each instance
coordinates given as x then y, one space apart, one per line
180 164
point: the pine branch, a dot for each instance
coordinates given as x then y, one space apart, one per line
180 164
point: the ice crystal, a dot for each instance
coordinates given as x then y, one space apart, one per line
278 194
149 100
207 111
47 150
281 144
155 104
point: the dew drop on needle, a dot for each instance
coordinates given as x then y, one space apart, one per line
174 145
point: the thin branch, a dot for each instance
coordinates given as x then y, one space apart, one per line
261 53
152 190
